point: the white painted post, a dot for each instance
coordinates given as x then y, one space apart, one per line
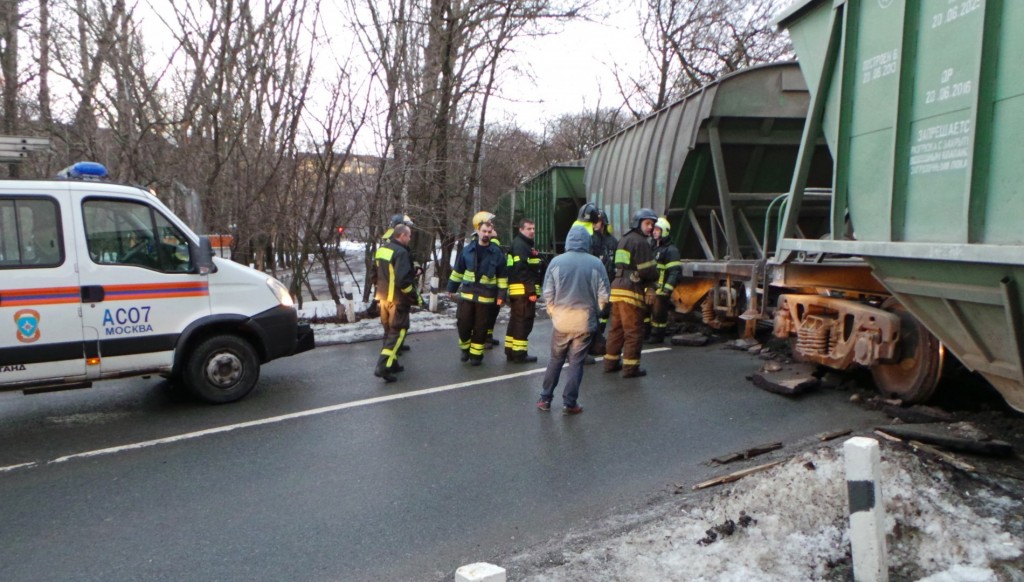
350 306
434 283
480 572
867 510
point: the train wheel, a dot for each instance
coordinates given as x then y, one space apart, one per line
914 377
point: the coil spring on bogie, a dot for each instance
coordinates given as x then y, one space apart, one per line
813 336
707 309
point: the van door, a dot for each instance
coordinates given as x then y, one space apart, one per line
40 317
140 288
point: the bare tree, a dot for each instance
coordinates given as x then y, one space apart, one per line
440 63
693 42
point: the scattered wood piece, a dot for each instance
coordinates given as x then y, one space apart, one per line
888 436
943 456
942 436
829 436
918 414
736 476
747 454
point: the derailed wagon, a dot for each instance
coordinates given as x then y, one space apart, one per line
922 104
718 163
551 198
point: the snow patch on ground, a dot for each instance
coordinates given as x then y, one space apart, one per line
799 530
365 329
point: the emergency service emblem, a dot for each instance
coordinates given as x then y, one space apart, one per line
27 321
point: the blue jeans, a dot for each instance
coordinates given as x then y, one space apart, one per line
574 348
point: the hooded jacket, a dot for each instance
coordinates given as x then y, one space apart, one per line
576 285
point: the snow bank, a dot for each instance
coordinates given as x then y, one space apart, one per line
798 518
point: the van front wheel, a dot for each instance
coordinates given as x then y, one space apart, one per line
223 368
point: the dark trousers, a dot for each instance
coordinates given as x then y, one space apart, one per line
659 316
520 324
565 347
472 325
395 319
492 318
626 335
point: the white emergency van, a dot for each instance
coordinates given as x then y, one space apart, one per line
102 281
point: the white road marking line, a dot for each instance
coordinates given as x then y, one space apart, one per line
284 417
21 466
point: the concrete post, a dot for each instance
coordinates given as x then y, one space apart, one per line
867 510
350 306
480 572
434 283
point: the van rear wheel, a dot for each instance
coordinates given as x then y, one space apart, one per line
221 369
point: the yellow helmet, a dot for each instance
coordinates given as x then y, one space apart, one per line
663 224
481 217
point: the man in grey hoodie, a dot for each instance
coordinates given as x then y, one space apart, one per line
575 290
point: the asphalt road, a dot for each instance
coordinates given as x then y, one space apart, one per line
132 480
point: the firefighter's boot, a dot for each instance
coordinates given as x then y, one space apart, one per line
382 371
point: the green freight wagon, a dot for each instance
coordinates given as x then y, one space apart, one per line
551 199
718 164
922 105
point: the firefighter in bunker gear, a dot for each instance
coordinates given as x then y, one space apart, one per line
670 269
588 215
635 270
602 246
492 314
525 269
395 294
480 278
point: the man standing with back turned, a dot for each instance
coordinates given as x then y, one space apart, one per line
396 294
575 289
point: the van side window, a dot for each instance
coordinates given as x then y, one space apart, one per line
30 233
129 233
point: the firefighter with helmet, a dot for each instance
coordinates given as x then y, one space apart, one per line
588 215
635 271
670 269
602 246
480 278
395 221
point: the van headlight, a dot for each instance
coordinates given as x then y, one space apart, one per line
280 291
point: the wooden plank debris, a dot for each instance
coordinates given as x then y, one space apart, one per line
943 456
888 436
918 414
831 436
748 454
737 475
944 437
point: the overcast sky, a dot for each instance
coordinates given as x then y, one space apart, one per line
572 69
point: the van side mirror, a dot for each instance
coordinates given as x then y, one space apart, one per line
204 258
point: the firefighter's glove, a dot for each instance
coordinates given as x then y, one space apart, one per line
532 298
500 301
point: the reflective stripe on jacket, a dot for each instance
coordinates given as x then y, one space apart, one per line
670 268
395 276
480 274
524 268
635 269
